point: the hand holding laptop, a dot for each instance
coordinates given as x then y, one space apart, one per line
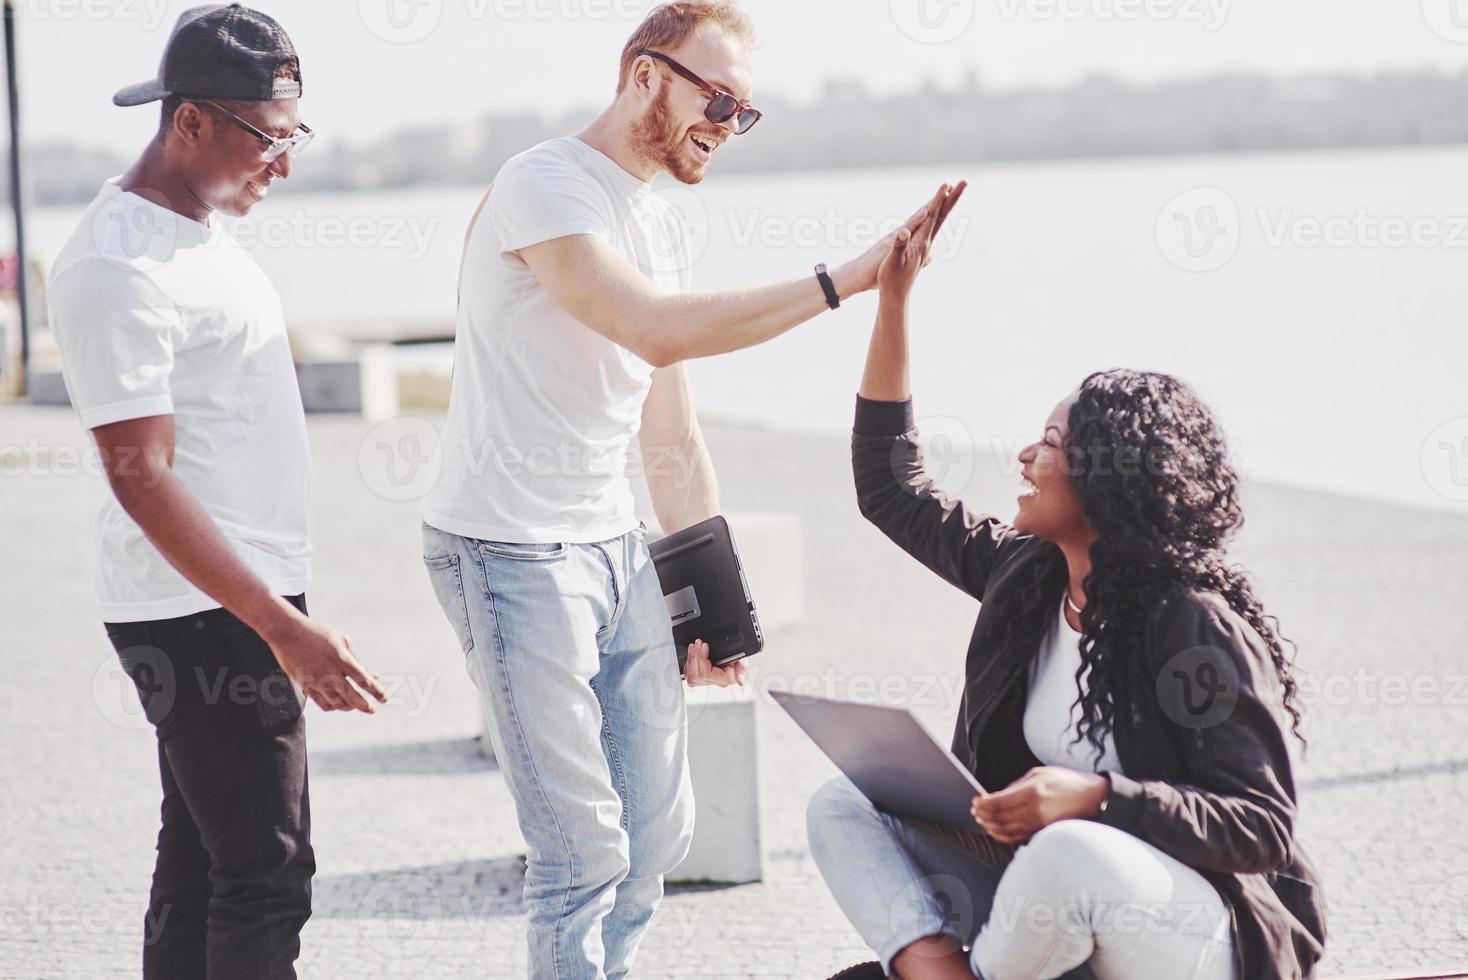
700 671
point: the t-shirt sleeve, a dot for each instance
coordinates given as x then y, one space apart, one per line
540 197
115 330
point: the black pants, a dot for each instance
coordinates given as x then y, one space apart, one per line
232 885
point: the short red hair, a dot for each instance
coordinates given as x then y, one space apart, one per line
670 24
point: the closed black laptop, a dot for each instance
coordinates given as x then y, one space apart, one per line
706 592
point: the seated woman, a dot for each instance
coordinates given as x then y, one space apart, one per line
1147 835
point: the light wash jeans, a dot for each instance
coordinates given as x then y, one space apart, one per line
571 648
1079 899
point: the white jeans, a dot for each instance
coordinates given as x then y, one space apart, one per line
1079 899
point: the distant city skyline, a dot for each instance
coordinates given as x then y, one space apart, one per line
377 66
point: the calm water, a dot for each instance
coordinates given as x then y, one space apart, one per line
1333 350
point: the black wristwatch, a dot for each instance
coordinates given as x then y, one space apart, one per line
827 286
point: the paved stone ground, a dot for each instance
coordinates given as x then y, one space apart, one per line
419 854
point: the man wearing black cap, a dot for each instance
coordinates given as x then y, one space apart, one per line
174 350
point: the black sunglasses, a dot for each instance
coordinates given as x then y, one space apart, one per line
722 106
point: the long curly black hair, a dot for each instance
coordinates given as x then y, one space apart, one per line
1152 470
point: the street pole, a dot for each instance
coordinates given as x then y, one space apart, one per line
22 286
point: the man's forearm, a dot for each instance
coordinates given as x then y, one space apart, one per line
682 485
706 324
184 534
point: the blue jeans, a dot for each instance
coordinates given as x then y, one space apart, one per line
571 648
1078 900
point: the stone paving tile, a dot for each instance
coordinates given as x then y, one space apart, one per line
418 851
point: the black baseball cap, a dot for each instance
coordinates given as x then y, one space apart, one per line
222 52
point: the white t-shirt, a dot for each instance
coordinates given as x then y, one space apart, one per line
157 314
1051 714
544 410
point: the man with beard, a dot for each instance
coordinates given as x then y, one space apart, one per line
573 322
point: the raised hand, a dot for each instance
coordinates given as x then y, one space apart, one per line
911 246
860 274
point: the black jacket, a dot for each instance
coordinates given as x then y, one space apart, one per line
1208 777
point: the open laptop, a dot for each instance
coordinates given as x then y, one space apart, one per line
889 756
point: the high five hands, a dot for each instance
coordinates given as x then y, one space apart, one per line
911 247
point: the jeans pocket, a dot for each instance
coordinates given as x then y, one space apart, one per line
448 586
241 669
278 702
522 552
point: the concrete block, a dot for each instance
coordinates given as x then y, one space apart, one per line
47 388
365 384
723 761
772 550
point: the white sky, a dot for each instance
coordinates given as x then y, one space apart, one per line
480 55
